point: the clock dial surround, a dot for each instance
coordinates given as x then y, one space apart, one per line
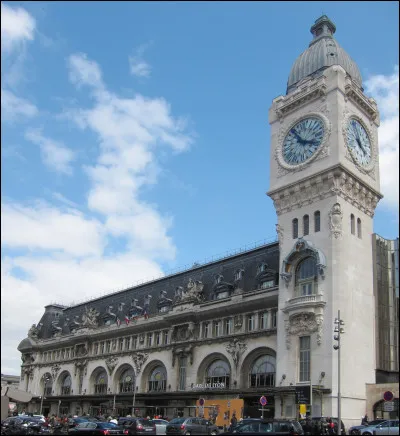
303 140
359 143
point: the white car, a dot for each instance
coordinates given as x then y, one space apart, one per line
389 427
161 425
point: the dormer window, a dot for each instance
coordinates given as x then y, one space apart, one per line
238 274
218 279
262 268
267 284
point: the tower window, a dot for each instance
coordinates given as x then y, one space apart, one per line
295 228
359 228
306 225
304 358
352 224
317 221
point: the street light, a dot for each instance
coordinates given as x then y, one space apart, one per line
338 330
45 379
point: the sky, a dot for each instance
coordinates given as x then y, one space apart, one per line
135 137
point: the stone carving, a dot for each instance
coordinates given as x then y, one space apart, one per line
90 318
335 221
81 350
236 348
280 232
75 324
81 366
55 328
27 371
193 292
301 324
111 363
184 332
182 352
27 358
238 321
138 359
34 332
55 369
320 324
333 183
109 316
164 303
141 338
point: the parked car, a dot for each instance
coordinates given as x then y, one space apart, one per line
316 424
161 425
138 426
97 428
73 422
389 427
22 425
272 427
356 429
191 426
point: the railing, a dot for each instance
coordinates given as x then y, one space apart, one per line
262 380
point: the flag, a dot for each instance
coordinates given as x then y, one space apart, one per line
145 313
118 322
127 320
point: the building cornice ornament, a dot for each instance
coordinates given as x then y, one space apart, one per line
367 105
81 366
238 322
182 352
236 349
303 324
335 221
111 362
90 317
138 359
280 232
335 182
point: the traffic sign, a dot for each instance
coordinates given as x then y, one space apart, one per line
201 401
388 396
263 401
201 411
229 404
388 406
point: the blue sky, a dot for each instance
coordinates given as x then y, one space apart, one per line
135 136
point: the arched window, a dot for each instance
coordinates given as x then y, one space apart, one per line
295 228
262 372
100 385
306 225
158 380
352 224
127 381
66 385
218 372
306 277
359 228
47 384
317 221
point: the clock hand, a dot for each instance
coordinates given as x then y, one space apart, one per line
297 136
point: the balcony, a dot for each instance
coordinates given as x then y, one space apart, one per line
310 302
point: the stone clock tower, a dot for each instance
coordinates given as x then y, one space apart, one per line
324 182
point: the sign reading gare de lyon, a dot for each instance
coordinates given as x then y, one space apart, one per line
209 386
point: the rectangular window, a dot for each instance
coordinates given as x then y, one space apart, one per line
306 225
228 326
134 342
217 328
121 344
150 339
158 338
96 348
250 323
317 221
182 373
273 319
127 343
205 330
166 337
304 358
108 347
306 288
268 284
295 228
67 353
102 347
264 321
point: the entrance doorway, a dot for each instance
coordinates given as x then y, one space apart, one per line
253 409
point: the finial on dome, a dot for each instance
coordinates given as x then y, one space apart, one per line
323 26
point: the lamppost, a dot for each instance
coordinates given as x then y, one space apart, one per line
338 330
45 379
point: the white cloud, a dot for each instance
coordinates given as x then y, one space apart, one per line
385 90
14 107
58 196
17 27
83 71
138 66
55 155
45 228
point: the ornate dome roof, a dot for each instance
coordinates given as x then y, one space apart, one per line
25 345
322 52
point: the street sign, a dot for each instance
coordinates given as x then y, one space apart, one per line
229 404
201 410
201 401
388 406
263 401
303 394
388 396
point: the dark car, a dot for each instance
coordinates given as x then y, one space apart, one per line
356 429
272 427
138 426
97 428
22 425
316 425
73 422
187 426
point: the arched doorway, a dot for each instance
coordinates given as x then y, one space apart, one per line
380 412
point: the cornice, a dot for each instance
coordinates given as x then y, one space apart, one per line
367 105
333 182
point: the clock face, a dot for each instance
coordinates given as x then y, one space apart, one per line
303 140
358 142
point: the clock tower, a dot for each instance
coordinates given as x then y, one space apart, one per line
324 182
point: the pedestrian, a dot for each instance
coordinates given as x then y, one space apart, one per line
307 427
114 420
233 421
